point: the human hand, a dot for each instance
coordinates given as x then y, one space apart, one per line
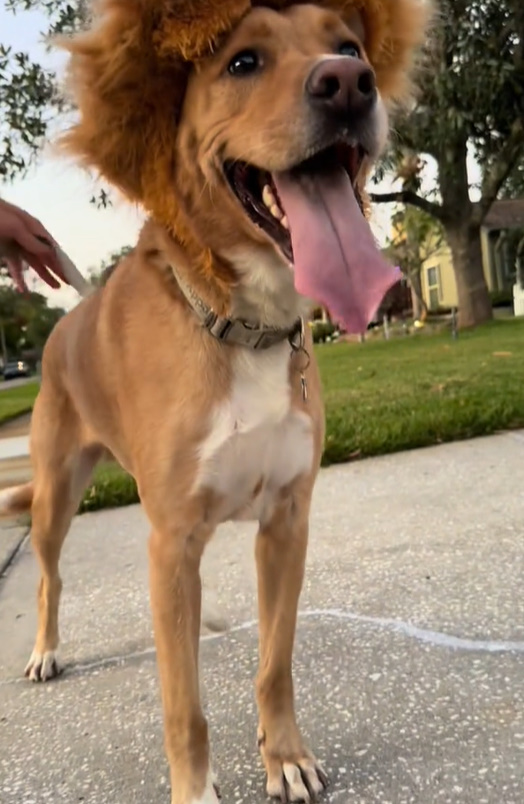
23 239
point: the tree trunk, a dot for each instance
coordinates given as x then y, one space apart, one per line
420 308
474 303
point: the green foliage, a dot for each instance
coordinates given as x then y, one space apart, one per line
99 276
63 15
27 98
322 330
501 298
416 237
471 93
26 321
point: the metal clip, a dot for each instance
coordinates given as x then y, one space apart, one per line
298 347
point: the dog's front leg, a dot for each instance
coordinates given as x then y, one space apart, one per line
176 602
293 774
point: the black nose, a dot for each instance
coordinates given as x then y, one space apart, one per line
344 85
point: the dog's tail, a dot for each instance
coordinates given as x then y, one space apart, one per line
16 500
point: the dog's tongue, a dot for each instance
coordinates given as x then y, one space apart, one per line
336 261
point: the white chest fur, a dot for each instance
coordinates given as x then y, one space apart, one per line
256 443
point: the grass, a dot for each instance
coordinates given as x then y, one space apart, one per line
18 400
383 397
111 487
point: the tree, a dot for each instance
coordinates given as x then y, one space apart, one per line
99 276
416 237
26 322
29 98
470 98
27 94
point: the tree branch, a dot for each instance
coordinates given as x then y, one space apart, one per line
409 197
507 158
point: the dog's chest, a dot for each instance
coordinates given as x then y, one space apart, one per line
257 443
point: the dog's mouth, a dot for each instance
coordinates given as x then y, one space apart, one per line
313 212
257 192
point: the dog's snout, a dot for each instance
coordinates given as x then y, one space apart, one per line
346 86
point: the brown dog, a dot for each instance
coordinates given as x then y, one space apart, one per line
247 134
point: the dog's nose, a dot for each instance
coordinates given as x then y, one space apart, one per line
346 86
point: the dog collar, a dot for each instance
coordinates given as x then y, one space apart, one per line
237 332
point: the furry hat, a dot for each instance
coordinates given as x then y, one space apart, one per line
133 62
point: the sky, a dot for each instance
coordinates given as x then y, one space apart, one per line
57 192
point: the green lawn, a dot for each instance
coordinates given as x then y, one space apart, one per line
15 401
382 397
111 487
415 391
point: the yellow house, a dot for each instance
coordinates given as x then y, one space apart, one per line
438 279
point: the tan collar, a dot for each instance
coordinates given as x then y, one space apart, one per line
236 332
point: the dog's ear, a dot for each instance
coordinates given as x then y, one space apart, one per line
128 75
394 32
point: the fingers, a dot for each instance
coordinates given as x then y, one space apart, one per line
36 249
37 230
33 240
41 268
16 272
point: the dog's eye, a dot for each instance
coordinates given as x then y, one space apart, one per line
244 63
349 49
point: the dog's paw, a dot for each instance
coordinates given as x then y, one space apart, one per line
293 773
302 780
43 666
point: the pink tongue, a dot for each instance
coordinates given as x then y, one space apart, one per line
337 263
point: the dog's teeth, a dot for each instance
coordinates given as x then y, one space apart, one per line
284 222
268 198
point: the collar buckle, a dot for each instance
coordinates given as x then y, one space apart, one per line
237 332
218 327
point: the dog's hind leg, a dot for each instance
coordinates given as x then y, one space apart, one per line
293 774
62 468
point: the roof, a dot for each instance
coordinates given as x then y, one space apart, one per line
505 214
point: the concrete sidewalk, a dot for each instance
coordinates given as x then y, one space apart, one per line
15 447
409 660
15 466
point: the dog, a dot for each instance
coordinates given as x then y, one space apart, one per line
246 131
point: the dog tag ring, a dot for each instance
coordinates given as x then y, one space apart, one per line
297 346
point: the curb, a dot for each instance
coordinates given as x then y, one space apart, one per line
16 535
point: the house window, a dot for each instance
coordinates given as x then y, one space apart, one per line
433 279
